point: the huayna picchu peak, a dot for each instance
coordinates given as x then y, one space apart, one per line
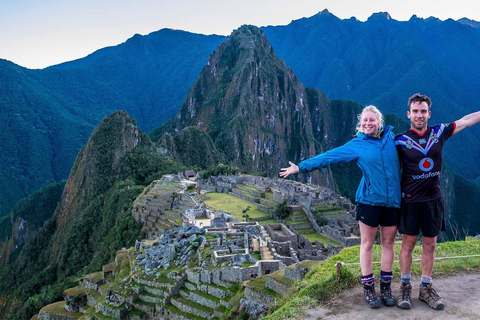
254 108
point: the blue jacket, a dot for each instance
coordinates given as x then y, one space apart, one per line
378 159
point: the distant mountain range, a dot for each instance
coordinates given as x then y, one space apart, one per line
47 115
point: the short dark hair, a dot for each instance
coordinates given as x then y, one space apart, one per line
417 97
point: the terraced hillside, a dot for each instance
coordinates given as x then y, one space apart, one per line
161 205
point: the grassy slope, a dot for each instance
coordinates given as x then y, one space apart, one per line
322 283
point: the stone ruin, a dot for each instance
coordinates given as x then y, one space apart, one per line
305 196
291 247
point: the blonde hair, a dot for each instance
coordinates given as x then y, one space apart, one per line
376 112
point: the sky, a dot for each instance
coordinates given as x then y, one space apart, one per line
39 33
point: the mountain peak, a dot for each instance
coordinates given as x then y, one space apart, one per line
244 99
469 22
99 162
248 36
325 12
380 16
414 18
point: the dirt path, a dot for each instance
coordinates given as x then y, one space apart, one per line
460 293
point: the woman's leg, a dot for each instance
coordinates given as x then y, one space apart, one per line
367 238
387 234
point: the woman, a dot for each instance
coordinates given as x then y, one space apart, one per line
378 195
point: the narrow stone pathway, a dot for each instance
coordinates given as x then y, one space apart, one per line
265 252
256 245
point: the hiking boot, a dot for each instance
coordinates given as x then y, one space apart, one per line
370 296
430 297
387 296
403 300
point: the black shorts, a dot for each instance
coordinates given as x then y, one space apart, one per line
374 216
426 216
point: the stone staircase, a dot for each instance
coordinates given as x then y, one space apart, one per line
265 252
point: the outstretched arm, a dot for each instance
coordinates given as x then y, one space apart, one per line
285 172
345 153
467 121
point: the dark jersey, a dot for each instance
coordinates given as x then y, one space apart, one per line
421 160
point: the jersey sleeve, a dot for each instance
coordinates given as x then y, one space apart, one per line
345 153
447 130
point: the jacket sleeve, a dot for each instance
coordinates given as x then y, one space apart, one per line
341 154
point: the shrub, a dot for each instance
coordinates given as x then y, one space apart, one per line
282 211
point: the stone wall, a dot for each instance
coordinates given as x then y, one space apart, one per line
296 273
276 286
54 316
270 266
244 196
258 296
111 311
337 235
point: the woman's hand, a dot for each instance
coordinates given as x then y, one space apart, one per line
285 172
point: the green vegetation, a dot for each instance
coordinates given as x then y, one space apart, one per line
282 211
245 214
234 205
187 143
35 210
258 285
219 169
319 216
195 305
321 238
76 291
174 309
206 296
58 308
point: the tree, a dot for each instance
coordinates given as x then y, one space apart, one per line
244 213
282 211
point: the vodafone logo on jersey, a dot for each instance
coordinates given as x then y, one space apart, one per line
426 164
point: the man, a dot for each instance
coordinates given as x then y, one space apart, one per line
420 152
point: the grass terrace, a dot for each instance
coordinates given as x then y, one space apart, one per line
258 285
58 308
249 188
76 291
234 205
321 238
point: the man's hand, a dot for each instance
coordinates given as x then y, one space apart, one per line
285 172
